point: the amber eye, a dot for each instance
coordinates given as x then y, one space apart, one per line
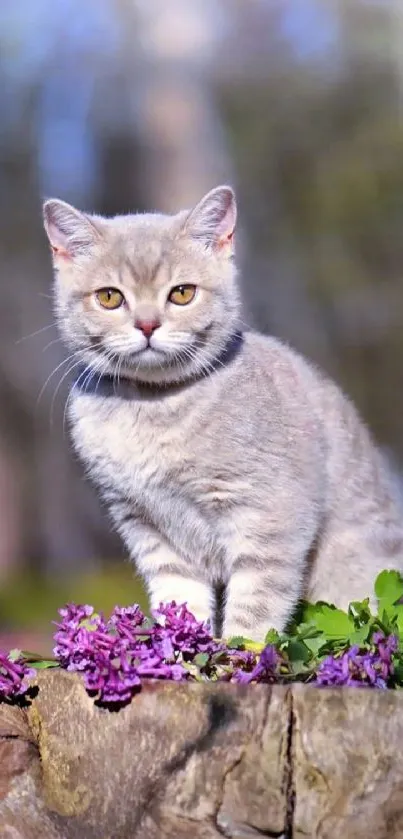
182 294
109 298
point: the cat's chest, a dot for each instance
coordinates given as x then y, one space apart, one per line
169 474
125 446
133 451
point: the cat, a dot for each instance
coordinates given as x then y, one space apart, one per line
240 478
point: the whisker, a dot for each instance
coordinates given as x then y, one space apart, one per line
83 378
109 357
101 363
118 370
69 396
76 354
57 389
64 361
37 332
51 343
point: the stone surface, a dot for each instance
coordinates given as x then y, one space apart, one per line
200 762
347 763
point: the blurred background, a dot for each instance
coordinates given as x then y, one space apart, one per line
122 105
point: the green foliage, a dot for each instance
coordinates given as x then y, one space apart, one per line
320 629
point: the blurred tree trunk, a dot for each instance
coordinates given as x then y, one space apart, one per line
171 107
47 512
159 144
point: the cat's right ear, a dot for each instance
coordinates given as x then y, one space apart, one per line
70 232
212 222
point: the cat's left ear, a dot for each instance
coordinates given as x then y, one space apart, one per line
212 222
71 233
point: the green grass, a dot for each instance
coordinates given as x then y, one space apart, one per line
31 602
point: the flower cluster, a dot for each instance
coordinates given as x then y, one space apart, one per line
115 655
176 630
14 676
358 667
323 645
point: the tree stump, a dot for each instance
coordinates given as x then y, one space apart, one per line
201 761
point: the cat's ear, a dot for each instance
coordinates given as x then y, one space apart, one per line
212 222
70 232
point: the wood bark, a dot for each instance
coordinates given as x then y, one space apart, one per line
202 761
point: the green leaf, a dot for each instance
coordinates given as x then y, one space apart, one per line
389 586
298 666
334 623
385 616
399 619
360 635
398 674
314 644
43 664
310 612
201 659
297 651
15 654
29 656
236 643
307 630
272 637
360 610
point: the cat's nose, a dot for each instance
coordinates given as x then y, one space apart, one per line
147 326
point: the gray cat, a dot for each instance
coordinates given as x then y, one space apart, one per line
240 478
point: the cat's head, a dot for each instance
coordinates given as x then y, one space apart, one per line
150 296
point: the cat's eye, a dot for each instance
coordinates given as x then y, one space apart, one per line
181 295
109 298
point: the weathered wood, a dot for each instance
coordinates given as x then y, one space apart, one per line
202 761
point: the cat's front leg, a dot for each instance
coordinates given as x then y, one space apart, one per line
258 599
163 588
167 577
267 550
267 565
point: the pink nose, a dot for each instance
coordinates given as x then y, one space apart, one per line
147 326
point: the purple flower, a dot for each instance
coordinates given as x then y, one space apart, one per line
115 655
73 615
114 680
14 677
127 620
177 630
78 634
361 667
385 644
154 667
265 669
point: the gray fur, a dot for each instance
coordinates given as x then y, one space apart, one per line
255 473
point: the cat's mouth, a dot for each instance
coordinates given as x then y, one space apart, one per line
152 348
145 355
